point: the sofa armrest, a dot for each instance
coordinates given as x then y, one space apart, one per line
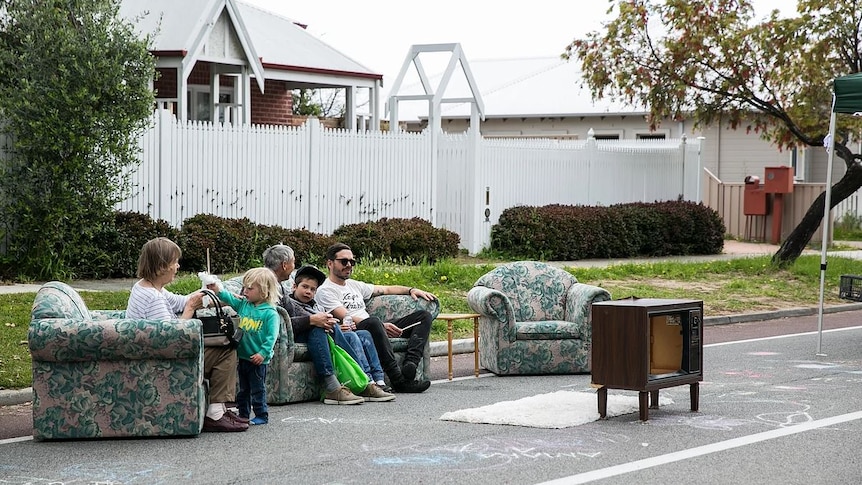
579 301
493 305
70 340
390 307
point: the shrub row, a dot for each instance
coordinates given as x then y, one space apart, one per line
566 233
237 244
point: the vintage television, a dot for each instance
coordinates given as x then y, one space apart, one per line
647 344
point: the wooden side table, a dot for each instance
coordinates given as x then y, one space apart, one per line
449 318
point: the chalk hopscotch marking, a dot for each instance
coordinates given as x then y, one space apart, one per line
493 452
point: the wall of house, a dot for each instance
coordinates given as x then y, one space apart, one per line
274 106
729 154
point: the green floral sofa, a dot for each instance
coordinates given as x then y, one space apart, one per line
535 319
97 374
291 377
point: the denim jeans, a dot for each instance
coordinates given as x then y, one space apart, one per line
318 348
361 348
252 389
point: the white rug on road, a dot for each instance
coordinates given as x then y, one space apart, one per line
561 409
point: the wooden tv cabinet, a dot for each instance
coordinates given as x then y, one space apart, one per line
645 345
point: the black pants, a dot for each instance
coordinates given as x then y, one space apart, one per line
417 338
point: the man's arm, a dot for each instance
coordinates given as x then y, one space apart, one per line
416 293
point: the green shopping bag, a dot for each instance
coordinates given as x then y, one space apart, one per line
348 372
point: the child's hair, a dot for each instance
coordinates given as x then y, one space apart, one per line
156 255
265 279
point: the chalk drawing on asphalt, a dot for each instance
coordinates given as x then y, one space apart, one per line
489 452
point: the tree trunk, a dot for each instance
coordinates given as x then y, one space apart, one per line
801 234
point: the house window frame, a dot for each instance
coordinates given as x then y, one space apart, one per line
609 134
194 91
659 134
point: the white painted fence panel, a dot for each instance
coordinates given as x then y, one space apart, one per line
319 179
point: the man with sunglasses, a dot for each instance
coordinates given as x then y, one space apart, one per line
342 296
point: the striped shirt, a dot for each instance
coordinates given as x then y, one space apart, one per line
152 304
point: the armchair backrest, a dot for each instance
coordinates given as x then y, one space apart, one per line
536 290
58 300
389 307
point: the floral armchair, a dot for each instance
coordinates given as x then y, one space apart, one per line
291 376
97 374
535 319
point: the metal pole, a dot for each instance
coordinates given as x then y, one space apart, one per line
825 232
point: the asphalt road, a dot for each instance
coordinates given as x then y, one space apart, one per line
771 411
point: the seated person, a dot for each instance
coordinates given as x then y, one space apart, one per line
361 346
157 266
342 296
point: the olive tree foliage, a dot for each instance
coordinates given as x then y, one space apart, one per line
712 61
74 98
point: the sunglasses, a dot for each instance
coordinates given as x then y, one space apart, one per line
346 262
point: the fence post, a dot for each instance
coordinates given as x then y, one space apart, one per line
592 150
478 230
682 143
163 190
312 124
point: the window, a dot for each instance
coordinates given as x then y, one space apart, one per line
650 136
797 161
199 104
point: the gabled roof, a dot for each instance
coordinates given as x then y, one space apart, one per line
273 41
522 87
182 28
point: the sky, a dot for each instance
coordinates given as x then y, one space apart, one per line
379 34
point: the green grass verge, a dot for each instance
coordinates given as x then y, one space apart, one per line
726 287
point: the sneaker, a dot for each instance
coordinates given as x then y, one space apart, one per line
385 387
235 416
258 421
411 386
225 424
408 370
374 393
342 395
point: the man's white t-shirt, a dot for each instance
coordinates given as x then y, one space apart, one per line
351 296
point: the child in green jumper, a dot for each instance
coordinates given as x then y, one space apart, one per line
260 322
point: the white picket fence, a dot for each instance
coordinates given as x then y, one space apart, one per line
319 179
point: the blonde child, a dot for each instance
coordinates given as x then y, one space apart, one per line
259 321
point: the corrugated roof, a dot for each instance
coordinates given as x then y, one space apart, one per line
280 41
174 22
277 40
523 87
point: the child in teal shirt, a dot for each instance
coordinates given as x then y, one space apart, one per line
260 322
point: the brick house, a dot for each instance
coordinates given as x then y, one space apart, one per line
239 63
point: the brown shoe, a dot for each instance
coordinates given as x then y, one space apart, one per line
342 395
225 424
373 393
236 417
